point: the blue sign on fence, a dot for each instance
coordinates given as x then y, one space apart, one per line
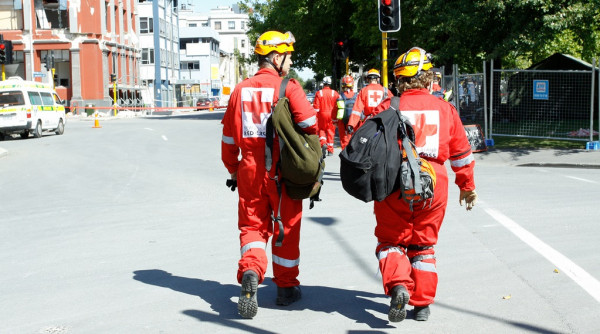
540 89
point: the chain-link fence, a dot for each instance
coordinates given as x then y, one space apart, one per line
542 104
557 104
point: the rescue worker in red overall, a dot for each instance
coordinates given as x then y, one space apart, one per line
244 127
325 106
406 238
368 99
349 97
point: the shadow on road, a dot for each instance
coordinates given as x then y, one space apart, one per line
349 303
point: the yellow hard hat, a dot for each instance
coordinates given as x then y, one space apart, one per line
373 73
412 62
274 41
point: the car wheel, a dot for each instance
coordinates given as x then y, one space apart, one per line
61 127
25 134
37 132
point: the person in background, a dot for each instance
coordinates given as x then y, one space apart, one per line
261 194
325 106
405 237
345 104
368 99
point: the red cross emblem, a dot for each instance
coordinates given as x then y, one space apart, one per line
375 96
422 129
256 106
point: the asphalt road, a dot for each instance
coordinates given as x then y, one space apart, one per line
130 229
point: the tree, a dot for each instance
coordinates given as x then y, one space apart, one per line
515 33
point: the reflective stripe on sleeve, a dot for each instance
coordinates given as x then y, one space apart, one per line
285 262
308 122
424 266
250 245
384 253
228 140
462 162
357 113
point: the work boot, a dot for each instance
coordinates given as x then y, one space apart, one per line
324 151
286 296
421 313
247 304
400 298
329 153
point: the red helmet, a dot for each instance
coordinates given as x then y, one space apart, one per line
347 81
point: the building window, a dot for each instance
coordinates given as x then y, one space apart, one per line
243 25
192 25
217 25
146 25
147 56
205 24
243 43
231 25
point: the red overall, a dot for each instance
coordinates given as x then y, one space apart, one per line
326 107
406 238
367 100
244 125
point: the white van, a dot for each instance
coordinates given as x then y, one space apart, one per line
29 107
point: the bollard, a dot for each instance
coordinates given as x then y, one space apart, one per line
96 122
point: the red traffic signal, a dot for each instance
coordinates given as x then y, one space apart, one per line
389 15
5 52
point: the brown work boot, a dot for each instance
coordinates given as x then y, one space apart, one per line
400 298
248 304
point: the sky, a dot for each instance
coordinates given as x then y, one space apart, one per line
206 5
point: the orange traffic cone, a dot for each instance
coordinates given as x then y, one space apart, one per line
96 123
210 106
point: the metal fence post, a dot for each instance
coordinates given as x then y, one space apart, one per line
592 101
485 118
491 98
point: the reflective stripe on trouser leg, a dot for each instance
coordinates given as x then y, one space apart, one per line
253 257
394 267
424 274
286 257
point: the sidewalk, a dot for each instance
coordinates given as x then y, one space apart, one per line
571 158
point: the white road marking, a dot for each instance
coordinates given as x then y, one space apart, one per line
149 129
576 273
164 137
580 179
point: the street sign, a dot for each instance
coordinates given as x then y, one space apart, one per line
39 74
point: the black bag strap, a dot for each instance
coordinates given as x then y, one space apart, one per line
270 130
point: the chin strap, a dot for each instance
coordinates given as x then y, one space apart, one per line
279 69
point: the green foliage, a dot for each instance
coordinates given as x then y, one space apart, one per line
515 33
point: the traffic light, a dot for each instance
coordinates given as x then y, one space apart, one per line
342 49
5 52
393 46
113 77
389 15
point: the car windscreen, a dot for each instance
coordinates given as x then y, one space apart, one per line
11 98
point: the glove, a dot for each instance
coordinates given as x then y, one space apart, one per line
470 198
350 129
231 183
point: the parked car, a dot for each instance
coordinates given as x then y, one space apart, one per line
310 97
203 103
216 102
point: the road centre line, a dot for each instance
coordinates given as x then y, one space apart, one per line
580 179
576 273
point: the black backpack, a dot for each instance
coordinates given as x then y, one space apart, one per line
373 165
300 161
